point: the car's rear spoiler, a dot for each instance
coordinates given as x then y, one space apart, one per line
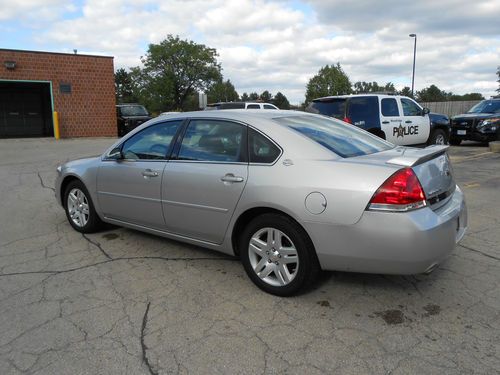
413 156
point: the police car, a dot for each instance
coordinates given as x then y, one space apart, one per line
398 119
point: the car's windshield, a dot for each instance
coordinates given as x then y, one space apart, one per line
344 140
133 110
486 106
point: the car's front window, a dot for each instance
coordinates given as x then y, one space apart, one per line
152 143
486 106
410 108
338 137
133 110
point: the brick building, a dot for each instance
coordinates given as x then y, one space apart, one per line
33 85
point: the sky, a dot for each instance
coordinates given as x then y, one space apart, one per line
279 45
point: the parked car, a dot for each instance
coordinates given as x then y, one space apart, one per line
288 192
240 105
129 116
395 118
481 123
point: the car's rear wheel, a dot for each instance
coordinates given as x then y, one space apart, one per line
80 209
455 141
277 254
438 137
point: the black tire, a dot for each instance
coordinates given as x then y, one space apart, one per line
305 271
455 141
438 137
93 223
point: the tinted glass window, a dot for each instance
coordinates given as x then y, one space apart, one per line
390 107
261 149
486 106
253 106
333 108
154 142
410 108
231 105
267 106
338 137
212 140
133 110
363 111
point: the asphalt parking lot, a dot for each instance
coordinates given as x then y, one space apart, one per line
124 302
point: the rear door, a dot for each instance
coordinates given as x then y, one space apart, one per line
391 120
416 125
363 112
203 181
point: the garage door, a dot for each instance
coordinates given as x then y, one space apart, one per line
25 110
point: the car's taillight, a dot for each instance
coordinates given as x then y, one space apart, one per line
400 192
348 120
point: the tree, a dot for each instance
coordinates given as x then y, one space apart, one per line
222 91
498 80
253 96
468 96
406 91
266 96
173 70
364 87
124 89
330 80
432 94
245 97
281 101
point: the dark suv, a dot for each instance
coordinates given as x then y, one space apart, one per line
129 116
481 123
396 118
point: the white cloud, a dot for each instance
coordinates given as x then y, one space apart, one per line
279 45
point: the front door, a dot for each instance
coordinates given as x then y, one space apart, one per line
204 181
129 189
416 124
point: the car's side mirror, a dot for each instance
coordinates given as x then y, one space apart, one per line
116 154
425 111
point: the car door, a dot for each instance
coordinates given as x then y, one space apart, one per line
205 178
391 120
129 188
416 124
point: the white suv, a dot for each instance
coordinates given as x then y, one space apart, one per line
240 105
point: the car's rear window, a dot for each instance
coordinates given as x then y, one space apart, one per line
338 137
331 107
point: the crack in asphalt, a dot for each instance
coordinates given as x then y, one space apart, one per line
98 245
145 358
480 252
43 184
187 259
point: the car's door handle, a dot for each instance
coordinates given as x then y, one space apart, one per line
231 178
149 173
385 122
407 122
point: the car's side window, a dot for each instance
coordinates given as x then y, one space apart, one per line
152 143
390 107
213 140
410 108
267 106
253 106
261 149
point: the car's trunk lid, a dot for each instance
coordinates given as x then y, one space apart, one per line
431 165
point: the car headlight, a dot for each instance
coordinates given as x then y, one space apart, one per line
490 124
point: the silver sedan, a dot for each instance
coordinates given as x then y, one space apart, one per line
290 193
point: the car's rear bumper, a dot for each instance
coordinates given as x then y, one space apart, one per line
392 243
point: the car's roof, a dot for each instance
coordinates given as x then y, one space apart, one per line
237 114
325 98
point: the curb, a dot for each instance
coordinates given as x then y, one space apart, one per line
494 146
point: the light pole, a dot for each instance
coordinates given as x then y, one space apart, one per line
414 56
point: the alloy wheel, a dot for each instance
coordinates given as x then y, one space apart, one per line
78 207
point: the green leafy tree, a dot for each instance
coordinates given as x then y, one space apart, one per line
468 96
222 91
266 96
364 87
406 91
124 88
432 94
245 97
173 70
253 96
281 101
330 80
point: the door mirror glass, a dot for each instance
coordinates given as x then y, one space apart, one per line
115 154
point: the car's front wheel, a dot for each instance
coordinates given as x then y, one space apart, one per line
277 254
438 137
80 209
